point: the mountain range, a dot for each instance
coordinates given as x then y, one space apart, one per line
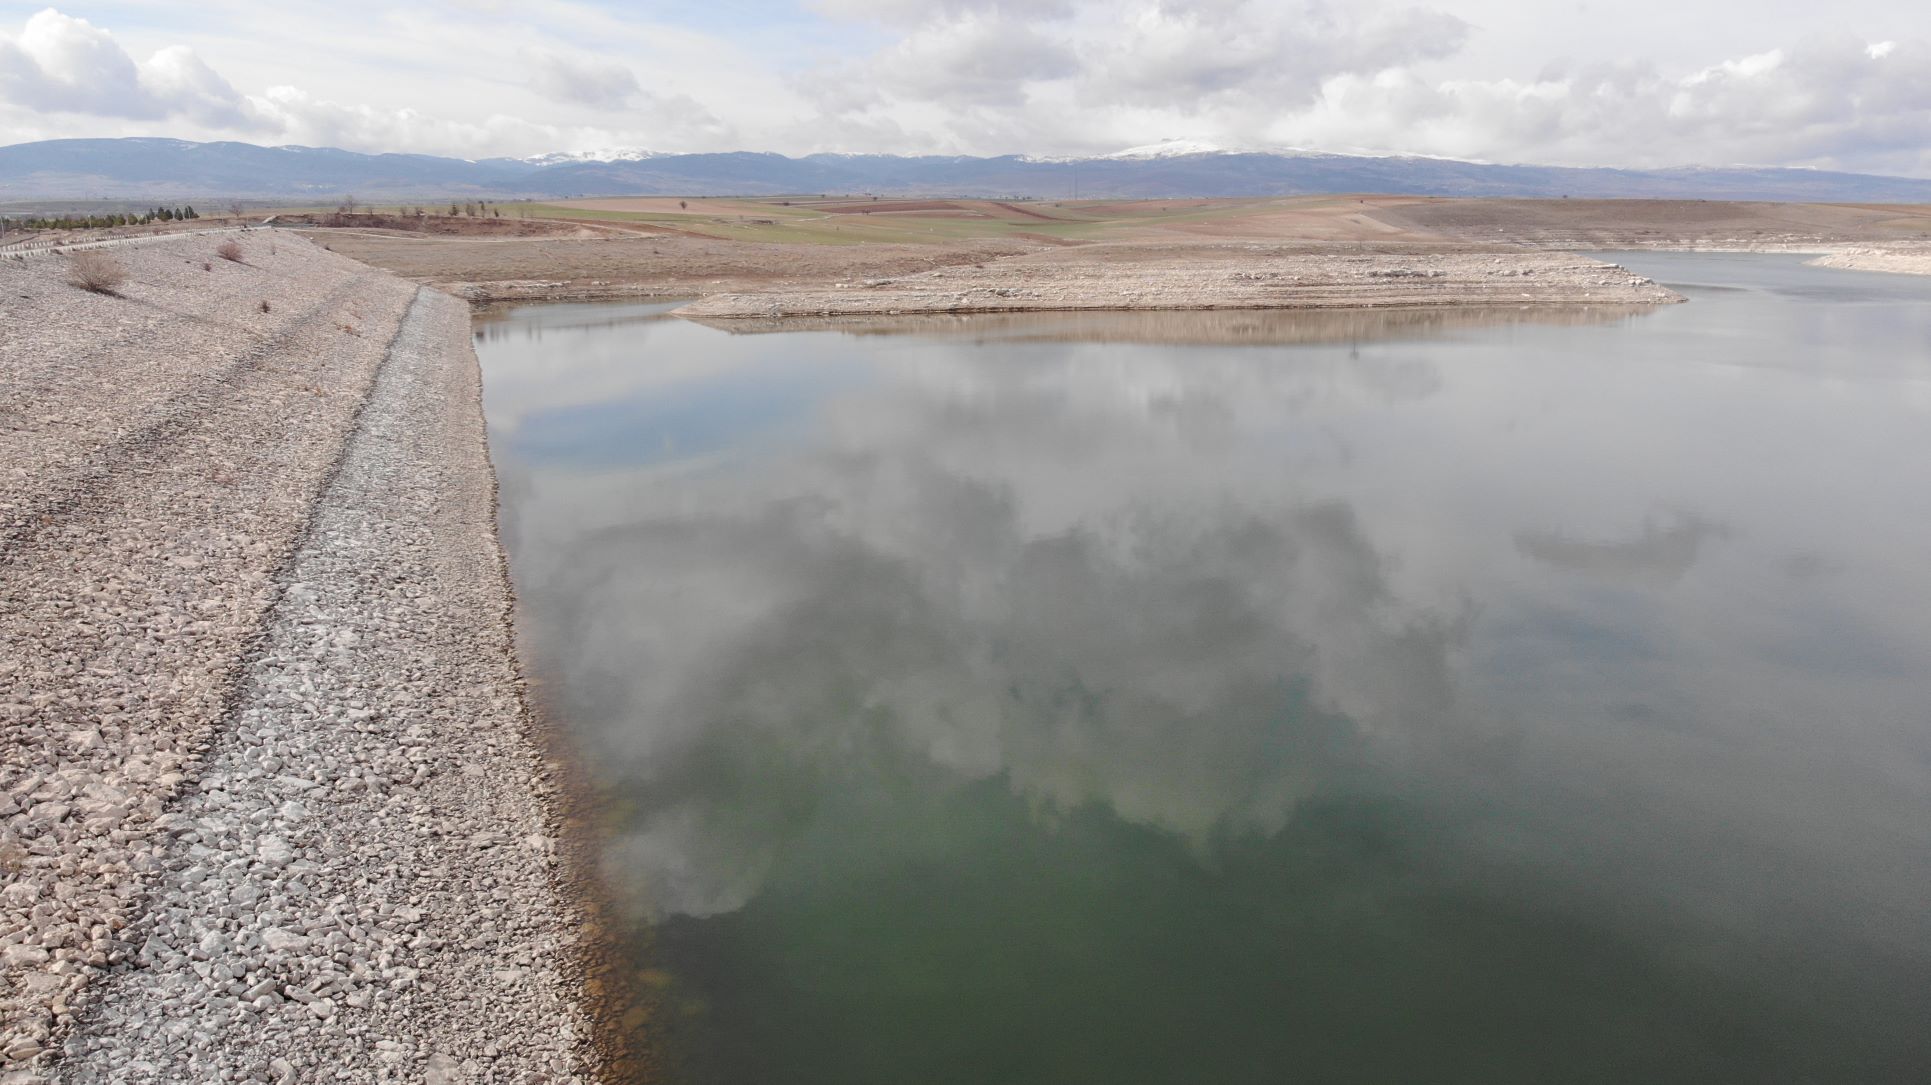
172 169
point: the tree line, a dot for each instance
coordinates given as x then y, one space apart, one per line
77 222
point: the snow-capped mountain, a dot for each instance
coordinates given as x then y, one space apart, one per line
612 154
1171 148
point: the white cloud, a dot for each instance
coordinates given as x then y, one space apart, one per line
298 117
61 64
1824 102
1095 65
583 80
992 77
191 89
1194 57
914 12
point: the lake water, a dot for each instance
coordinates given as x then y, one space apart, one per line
1433 701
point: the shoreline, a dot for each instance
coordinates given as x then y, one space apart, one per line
1249 276
798 303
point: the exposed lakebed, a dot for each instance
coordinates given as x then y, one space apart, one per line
1491 701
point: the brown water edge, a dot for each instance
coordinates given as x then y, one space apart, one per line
1189 327
611 995
491 310
616 1005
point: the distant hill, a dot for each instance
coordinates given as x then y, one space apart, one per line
178 169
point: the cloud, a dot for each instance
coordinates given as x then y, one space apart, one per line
993 77
1193 57
177 76
907 586
60 64
1088 62
582 80
914 12
295 116
975 59
985 77
1826 102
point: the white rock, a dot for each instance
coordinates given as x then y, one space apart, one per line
283 941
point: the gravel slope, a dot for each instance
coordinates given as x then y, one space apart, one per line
241 824
161 451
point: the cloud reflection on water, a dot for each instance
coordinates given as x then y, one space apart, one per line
1052 563
1606 637
1186 648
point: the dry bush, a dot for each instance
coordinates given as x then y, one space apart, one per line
206 266
264 305
229 250
95 271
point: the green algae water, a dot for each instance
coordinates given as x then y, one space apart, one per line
1247 698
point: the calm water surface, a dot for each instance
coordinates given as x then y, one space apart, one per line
1514 702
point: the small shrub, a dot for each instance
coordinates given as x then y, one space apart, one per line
263 306
95 271
206 266
229 250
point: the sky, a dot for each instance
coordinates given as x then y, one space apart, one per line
1638 83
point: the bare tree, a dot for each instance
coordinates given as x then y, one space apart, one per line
348 205
235 209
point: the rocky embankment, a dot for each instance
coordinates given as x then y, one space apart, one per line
1201 327
1900 259
1233 276
270 806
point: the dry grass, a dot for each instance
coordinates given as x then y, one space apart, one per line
95 271
229 250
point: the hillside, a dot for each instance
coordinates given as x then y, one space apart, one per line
168 169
